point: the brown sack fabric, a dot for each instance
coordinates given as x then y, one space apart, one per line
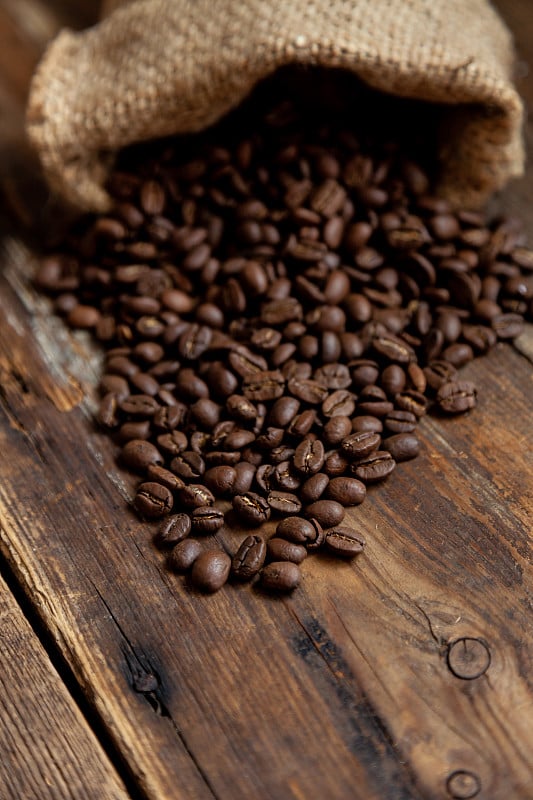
158 67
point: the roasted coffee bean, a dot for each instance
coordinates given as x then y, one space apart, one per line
134 430
410 400
307 390
333 376
284 477
280 576
241 409
297 530
172 443
284 502
302 423
439 372
205 413
195 495
336 429
244 476
153 500
283 550
402 446
188 465
220 480
360 444
344 542
375 467
309 456
283 412
367 423
139 454
270 439
393 379
206 520
251 508
183 555
173 530
313 488
249 558
106 415
507 326
165 477
262 386
328 513
455 397
401 422
339 403
139 405
210 570
336 463
346 491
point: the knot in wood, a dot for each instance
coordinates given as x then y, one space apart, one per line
462 784
468 658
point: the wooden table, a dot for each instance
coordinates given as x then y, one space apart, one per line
117 680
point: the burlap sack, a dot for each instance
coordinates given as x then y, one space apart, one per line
156 67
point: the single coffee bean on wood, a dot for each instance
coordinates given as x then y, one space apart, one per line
344 542
280 576
210 570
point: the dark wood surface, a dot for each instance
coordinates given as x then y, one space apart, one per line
341 691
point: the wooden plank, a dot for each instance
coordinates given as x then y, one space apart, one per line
47 748
350 672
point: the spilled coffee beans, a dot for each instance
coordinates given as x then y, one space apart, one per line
280 303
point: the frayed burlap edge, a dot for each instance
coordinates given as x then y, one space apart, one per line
157 67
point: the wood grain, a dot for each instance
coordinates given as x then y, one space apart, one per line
342 690
48 750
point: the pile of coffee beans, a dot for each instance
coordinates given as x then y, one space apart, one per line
280 301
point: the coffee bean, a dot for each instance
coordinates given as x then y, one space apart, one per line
158 474
266 385
284 502
210 570
309 456
346 491
206 520
375 467
402 446
328 513
195 495
344 542
183 555
251 508
173 530
280 576
297 530
220 480
172 443
336 429
139 454
455 397
313 488
283 550
249 558
244 476
360 444
367 423
188 465
401 422
283 411
153 500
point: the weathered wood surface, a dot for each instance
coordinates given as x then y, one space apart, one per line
344 689
48 750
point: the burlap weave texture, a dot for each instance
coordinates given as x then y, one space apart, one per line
156 67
